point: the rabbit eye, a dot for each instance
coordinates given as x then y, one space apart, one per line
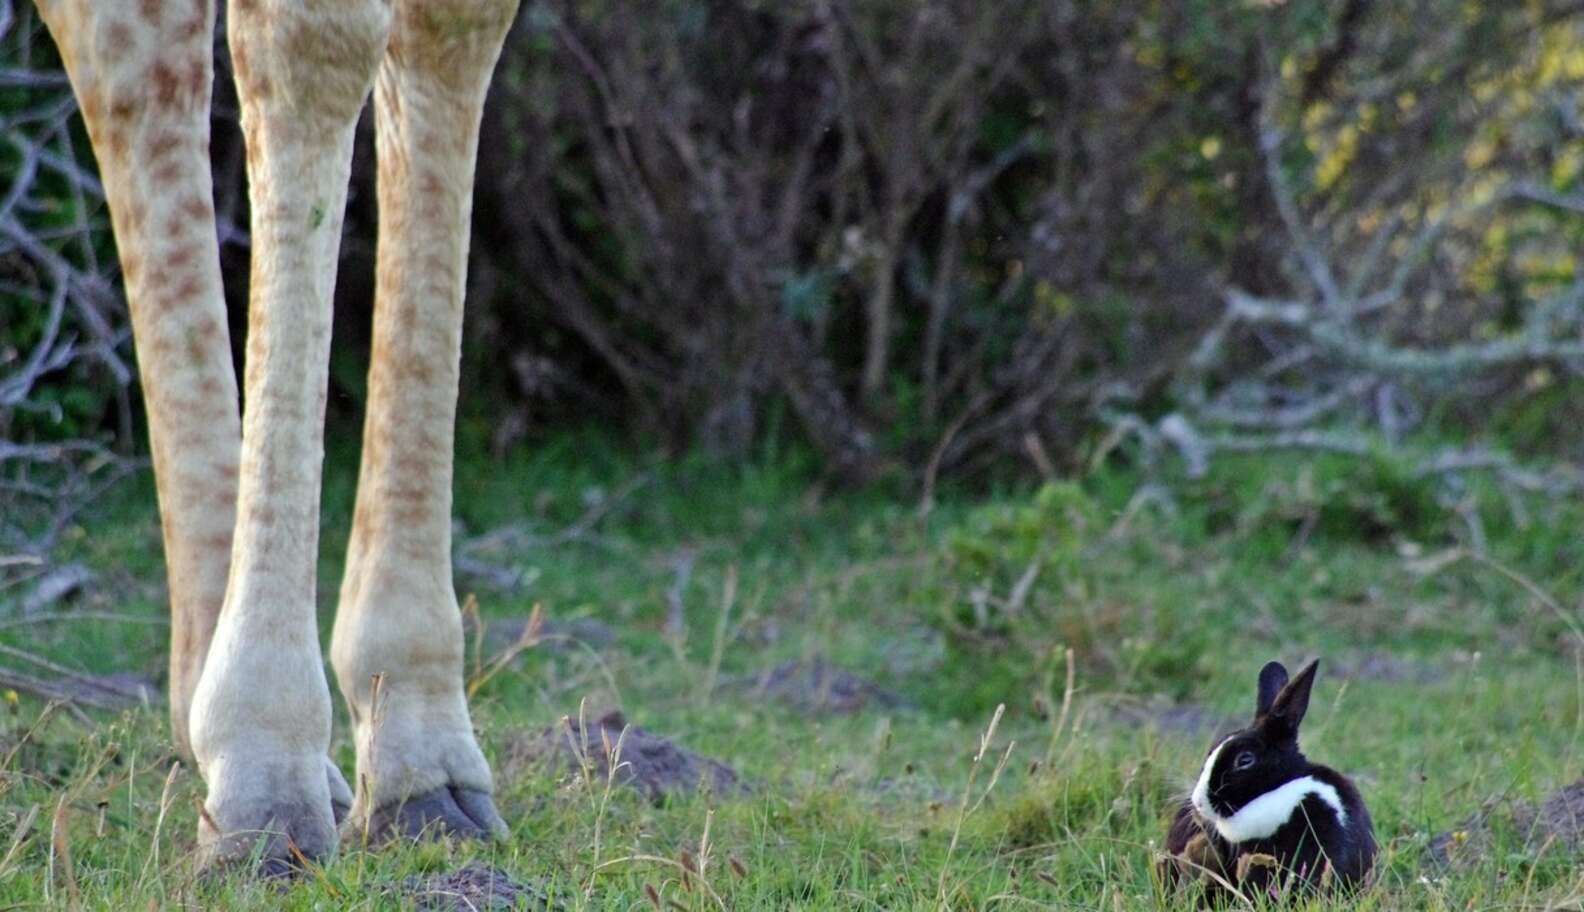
1243 761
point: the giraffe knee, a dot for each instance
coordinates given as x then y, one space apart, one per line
316 58
457 41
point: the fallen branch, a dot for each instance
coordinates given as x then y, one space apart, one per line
48 691
1314 365
77 617
1197 448
1544 337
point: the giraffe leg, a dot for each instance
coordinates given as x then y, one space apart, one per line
142 77
419 766
261 714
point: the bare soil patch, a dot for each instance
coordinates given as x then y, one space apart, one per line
1384 667
1172 718
1558 822
815 687
554 635
475 887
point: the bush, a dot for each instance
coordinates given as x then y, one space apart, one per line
944 238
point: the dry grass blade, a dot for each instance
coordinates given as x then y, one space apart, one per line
60 854
1065 712
704 844
18 840
377 700
965 809
314 869
709 891
38 724
153 863
613 765
470 614
1214 876
525 641
1541 595
1436 563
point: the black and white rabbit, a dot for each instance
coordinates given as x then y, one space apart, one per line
1261 816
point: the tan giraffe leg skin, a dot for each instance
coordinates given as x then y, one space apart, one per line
142 75
419 767
261 714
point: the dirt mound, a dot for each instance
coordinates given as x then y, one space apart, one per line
475 887
1173 718
1385 667
1558 820
645 761
501 634
816 687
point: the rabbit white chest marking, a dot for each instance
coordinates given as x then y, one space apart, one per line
1269 812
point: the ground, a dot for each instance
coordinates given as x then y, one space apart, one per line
845 655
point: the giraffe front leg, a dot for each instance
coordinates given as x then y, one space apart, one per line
142 76
419 766
261 714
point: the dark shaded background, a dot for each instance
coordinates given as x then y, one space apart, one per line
925 238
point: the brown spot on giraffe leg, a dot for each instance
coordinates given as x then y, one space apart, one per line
115 143
197 208
118 40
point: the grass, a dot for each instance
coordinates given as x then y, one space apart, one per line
1057 801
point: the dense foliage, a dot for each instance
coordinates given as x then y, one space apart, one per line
943 236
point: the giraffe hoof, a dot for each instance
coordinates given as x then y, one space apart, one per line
262 830
289 838
450 810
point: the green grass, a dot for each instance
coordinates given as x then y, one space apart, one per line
1179 604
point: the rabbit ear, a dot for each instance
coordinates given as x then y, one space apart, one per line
1272 678
1287 710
